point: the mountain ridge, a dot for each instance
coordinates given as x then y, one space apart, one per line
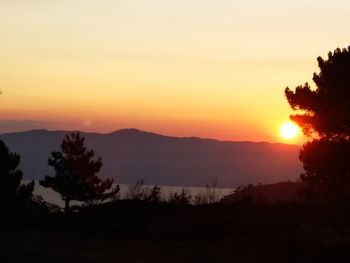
135 131
131 154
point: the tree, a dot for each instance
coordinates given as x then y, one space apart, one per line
324 115
75 173
154 195
182 198
211 194
137 191
140 192
325 110
12 191
327 166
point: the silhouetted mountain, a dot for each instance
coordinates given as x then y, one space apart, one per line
131 154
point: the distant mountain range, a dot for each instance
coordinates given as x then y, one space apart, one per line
131 154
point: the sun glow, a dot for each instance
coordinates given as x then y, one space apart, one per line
289 130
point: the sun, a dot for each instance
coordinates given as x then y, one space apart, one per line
289 130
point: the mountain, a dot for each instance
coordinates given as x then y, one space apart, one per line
131 154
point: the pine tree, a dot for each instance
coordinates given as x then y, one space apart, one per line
324 115
75 173
12 191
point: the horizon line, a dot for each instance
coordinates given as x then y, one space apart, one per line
143 131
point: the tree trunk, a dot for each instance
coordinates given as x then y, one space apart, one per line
66 206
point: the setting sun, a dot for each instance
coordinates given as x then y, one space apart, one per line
289 130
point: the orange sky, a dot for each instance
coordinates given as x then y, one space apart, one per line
184 68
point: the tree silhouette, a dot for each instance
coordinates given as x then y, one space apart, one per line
182 198
154 195
211 193
75 177
11 189
324 114
141 192
325 110
327 166
137 191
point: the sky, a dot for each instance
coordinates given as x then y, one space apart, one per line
203 68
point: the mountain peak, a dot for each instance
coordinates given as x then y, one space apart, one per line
134 132
127 130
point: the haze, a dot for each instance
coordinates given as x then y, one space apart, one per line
206 68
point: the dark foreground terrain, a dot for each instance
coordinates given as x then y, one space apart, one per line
127 231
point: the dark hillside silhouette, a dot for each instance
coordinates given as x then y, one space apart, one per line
282 192
324 113
129 155
75 173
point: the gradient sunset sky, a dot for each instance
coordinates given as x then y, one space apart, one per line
177 67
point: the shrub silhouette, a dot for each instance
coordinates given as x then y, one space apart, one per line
324 114
154 195
75 174
210 195
12 191
140 192
182 198
137 191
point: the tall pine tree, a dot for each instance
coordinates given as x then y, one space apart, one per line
323 113
75 173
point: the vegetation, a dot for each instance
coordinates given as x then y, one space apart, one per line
12 192
324 114
210 195
127 231
154 195
141 192
182 198
137 191
75 177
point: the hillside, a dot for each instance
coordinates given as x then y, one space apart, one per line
282 192
132 154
